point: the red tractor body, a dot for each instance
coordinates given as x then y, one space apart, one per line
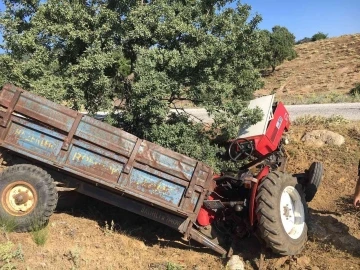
260 194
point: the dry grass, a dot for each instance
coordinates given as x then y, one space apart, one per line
315 121
324 71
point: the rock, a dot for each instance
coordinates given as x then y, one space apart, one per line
319 138
235 263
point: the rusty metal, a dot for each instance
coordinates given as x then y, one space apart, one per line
133 154
197 236
106 162
72 131
11 108
190 189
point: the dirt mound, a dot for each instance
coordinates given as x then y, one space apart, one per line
324 70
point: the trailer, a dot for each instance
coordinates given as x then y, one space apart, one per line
60 148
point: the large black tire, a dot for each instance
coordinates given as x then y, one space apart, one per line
272 220
28 197
314 176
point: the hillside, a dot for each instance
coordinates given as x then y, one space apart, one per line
324 71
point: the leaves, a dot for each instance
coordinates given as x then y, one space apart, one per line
280 46
152 55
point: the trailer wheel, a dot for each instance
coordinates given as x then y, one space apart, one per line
315 174
281 211
28 197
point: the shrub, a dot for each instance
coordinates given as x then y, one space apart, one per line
304 40
356 90
319 36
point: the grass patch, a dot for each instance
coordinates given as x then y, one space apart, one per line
173 266
316 120
8 254
356 90
319 98
109 228
7 224
40 236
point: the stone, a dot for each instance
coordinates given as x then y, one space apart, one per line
319 138
235 263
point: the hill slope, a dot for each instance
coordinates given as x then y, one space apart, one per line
324 71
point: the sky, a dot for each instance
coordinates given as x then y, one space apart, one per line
304 18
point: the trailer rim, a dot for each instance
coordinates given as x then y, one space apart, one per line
19 198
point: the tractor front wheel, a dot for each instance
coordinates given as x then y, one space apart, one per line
281 211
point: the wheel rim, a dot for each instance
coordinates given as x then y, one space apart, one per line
292 212
19 198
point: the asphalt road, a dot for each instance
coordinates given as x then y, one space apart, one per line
349 111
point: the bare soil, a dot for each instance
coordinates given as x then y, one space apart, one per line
324 71
88 234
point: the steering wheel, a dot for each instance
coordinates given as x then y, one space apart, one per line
240 148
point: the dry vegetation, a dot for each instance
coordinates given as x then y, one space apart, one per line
324 71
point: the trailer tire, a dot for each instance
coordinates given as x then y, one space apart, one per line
282 232
28 197
315 174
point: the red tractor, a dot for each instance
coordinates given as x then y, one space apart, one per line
260 195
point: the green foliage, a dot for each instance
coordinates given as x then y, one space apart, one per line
39 233
151 54
280 46
40 236
8 254
356 90
319 36
7 225
173 266
304 40
64 50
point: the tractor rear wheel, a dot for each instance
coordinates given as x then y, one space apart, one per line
281 212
